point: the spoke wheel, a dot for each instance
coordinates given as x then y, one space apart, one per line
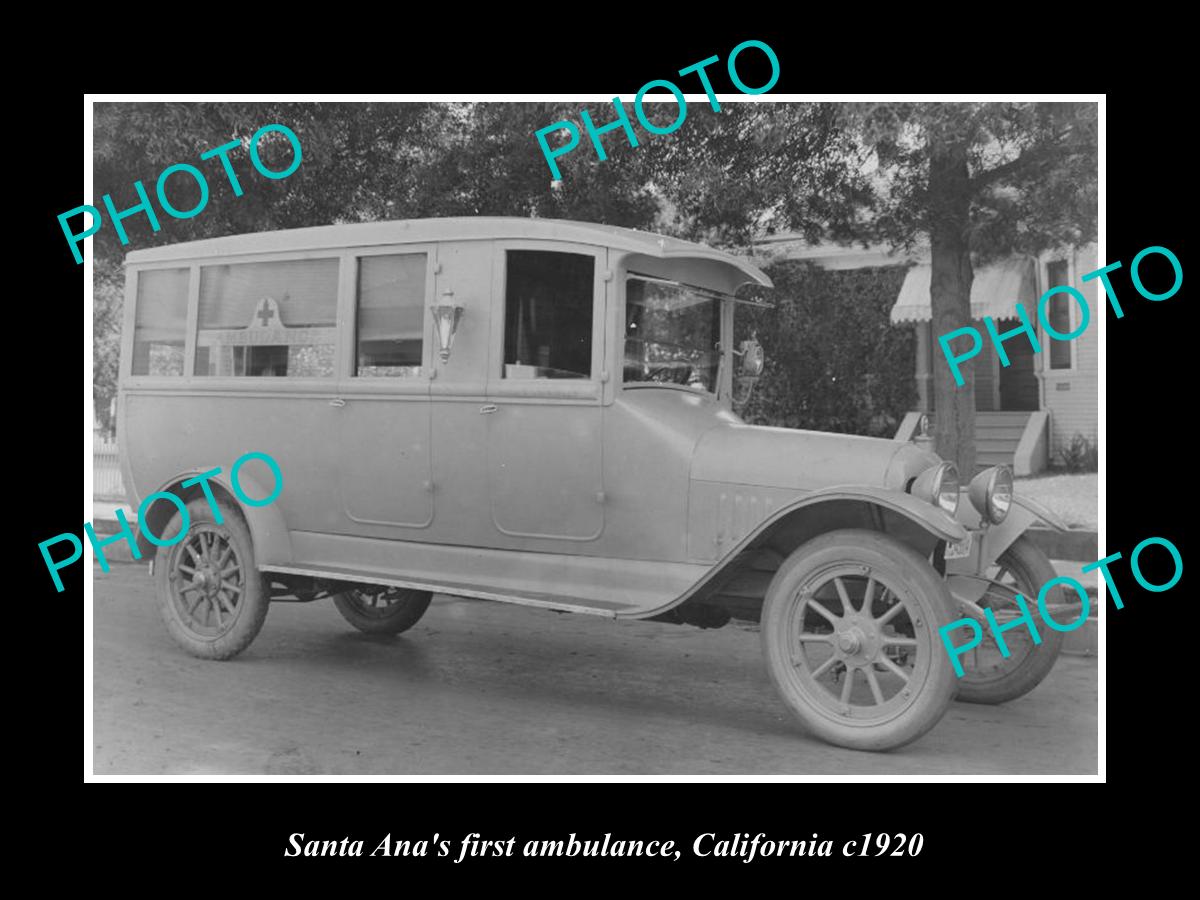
378 609
988 676
209 581
850 634
212 598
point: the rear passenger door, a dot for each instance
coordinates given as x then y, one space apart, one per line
382 407
264 358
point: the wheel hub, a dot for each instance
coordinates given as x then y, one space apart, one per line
857 641
207 580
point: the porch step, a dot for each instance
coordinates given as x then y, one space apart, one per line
987 460
1000 428
996 445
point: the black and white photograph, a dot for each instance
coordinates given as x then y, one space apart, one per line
697 433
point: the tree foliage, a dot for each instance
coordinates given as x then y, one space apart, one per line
1031 172
834 362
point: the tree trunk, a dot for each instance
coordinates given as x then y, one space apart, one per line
950 302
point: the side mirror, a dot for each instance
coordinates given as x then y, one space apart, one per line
753 360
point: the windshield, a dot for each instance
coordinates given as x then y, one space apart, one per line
671 334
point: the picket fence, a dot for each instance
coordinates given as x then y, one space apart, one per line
106 471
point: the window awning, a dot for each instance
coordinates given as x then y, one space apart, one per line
995 291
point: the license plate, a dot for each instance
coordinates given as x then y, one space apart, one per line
959 549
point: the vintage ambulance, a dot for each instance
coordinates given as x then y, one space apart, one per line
543 413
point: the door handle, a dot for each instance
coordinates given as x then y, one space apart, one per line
490 408
337 401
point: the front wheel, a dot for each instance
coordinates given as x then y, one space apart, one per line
850 634
376 609
989 676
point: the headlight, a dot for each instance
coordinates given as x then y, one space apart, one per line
939 485
991 493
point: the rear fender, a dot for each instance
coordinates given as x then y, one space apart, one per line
272 545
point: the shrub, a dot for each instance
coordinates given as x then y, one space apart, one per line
1081 455
834 360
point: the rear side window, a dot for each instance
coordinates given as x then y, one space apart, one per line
266 319
391 315
160 322
548 314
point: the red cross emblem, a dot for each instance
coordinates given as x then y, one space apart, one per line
265 312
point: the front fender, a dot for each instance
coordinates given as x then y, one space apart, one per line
989 541
730 516
995 539
272 544
932 518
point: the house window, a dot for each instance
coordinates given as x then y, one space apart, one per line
391 315
263 319
1058 314
160 322
548 314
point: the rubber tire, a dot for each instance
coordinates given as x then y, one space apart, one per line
1028 562
252 610
921 581
402 616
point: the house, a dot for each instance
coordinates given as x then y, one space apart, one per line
1028 412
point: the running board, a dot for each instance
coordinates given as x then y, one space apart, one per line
542 601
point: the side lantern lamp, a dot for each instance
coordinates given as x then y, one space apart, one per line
446 316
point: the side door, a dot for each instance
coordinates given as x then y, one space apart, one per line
383 410
545 390
459 396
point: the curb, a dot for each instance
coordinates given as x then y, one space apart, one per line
118 551
1083 641
1071 546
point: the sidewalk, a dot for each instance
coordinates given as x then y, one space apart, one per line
104 511
104 522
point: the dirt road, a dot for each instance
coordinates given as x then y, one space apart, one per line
487 688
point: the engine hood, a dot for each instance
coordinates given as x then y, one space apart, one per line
804 460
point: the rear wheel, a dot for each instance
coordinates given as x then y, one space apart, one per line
849 630
212 598
378 609
988 676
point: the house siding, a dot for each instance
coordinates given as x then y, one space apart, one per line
1072 395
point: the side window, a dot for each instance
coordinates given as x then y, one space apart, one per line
391 315
274 318
160 322
1059 315
548 300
